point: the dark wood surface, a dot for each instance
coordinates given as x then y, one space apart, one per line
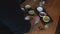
53 9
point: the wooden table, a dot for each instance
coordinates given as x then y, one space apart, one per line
53 9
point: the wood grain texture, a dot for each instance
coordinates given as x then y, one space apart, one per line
53 9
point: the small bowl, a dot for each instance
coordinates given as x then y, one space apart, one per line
46 19
27 6
31 12
39 9
27 18
41 14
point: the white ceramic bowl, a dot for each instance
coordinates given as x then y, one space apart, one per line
31 12
41 14
27 6
27 18
48 19
39 9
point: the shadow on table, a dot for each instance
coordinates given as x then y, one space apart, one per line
58 27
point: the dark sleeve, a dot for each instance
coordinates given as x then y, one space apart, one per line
10 18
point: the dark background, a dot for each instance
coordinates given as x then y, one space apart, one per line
11 18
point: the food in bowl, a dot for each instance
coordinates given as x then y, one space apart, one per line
46 19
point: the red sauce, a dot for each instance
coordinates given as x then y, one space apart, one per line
42 14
